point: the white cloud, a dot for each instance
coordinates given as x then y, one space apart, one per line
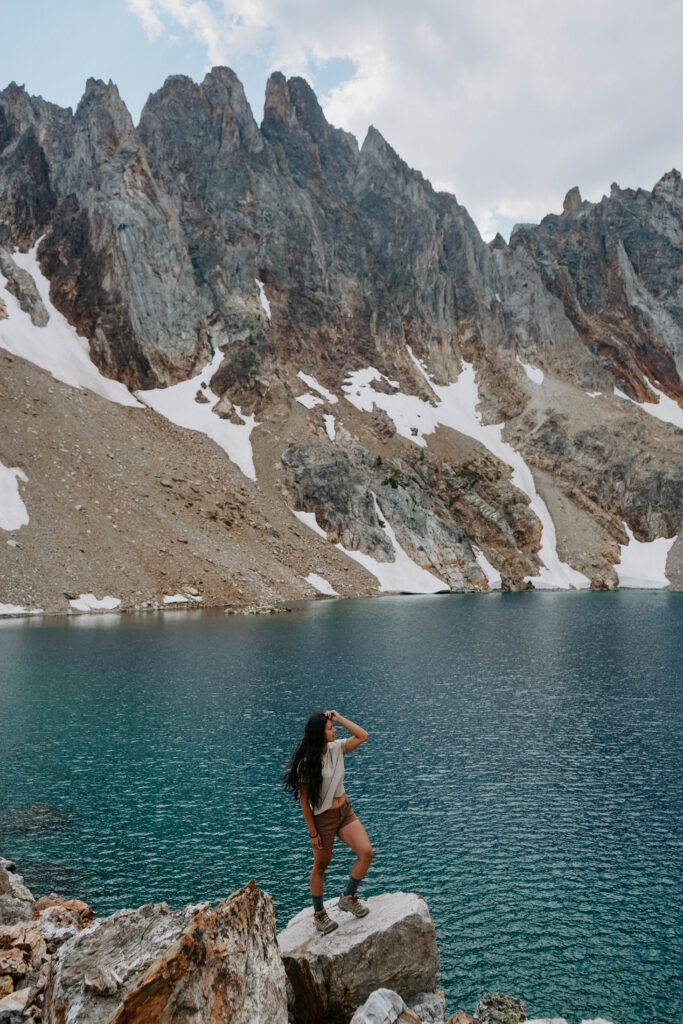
511 104
150 21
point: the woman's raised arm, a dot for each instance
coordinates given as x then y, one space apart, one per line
358 734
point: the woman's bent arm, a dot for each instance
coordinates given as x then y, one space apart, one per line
359 735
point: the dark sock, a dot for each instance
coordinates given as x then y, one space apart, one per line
352 886
318 904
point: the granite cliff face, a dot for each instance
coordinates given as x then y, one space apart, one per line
423 398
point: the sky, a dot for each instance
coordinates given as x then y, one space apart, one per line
505 103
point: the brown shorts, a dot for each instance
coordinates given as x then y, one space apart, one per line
329 823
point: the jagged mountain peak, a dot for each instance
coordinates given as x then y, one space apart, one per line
13 91
572 200
100 93
332 303
498 242
669 186
293 103
376 152
105 120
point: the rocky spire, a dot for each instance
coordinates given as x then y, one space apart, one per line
224 94
669 186
572 200
293 103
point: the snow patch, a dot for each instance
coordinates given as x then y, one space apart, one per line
13 513
493 577
312 383
265 305
534 373
56 347
321 584
412 416
177 403
89 603
457 408
329 427
309 520
642 565
593 394
309 401
176 599
403 575
17 609
665 409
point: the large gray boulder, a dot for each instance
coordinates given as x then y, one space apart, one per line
173 966
330 976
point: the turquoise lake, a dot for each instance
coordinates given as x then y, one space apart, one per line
523 774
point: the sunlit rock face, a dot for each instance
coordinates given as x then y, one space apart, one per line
292 249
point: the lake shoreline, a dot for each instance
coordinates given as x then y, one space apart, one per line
284 606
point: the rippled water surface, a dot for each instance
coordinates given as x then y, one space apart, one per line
523 774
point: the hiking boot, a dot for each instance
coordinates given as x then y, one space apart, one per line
324 922
353 904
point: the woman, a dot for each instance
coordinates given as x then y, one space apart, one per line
315 775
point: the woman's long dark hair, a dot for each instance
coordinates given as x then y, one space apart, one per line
305 764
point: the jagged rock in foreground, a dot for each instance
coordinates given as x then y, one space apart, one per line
430 1007
16 902
155 964
30 933
330 976
497 1008
386 1007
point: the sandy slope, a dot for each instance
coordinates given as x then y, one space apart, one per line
123 503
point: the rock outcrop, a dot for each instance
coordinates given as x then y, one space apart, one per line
394 948
151 964
222 965
31 931
286 248
497 1008
385 1007
155 964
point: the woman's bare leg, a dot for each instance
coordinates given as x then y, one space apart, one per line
355 836
321 858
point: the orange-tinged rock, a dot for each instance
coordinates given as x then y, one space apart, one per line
13 962
74 910
11 935
34 946
173 966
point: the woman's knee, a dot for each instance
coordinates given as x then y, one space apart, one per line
366 854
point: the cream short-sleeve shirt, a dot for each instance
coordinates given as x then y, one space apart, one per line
333 775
